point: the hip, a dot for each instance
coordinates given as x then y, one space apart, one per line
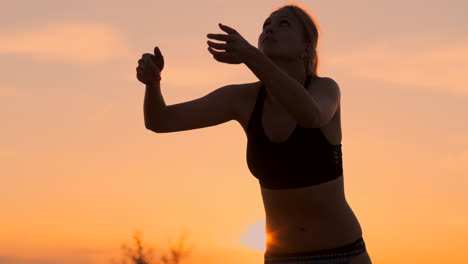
313 230
346 254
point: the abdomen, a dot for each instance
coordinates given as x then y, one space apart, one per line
310 218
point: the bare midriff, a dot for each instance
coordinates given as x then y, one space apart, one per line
310 218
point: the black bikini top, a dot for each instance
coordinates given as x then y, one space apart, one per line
306 158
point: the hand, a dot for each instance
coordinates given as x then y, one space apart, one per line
237 49
150 67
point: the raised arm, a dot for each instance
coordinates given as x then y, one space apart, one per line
153 105
217 107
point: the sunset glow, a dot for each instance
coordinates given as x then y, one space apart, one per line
255 237
80 172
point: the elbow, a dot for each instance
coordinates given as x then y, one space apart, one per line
151 127
312 121
317 121
153 122
321 121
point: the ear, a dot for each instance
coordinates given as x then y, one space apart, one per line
308 48
306 52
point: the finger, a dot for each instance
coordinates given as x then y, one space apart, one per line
224 58
212 51
157 52
227 29
221 37
158 58
146 56
139 77
146 59
149 61
218 46
220 56
151 64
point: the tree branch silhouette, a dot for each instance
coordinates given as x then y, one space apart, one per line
141 255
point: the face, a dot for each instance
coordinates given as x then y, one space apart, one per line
282 36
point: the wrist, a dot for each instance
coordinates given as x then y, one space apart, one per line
156 81
251 54
155 84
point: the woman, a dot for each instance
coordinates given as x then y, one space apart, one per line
291 118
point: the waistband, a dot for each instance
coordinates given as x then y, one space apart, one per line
352 249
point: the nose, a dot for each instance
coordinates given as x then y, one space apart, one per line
268 30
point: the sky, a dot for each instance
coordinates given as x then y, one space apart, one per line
80 172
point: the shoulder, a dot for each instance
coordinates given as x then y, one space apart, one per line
245 94
248 90
245 98
239 91
327 81
325 86
246 86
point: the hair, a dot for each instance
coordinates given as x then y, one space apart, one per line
311 33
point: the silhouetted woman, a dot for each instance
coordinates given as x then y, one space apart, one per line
291 118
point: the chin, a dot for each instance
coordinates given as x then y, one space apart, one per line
269 51
274 54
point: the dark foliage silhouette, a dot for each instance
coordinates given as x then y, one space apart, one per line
141 254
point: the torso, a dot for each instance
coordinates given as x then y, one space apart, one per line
311 218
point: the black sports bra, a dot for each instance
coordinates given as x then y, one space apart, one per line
306 158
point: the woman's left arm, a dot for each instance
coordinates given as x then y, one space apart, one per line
298 102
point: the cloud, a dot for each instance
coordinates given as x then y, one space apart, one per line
80 42
416 62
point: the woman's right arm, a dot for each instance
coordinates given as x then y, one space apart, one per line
149 72
217 107
153 105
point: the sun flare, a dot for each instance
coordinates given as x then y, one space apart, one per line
254 236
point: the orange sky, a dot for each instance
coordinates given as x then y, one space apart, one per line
79 171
